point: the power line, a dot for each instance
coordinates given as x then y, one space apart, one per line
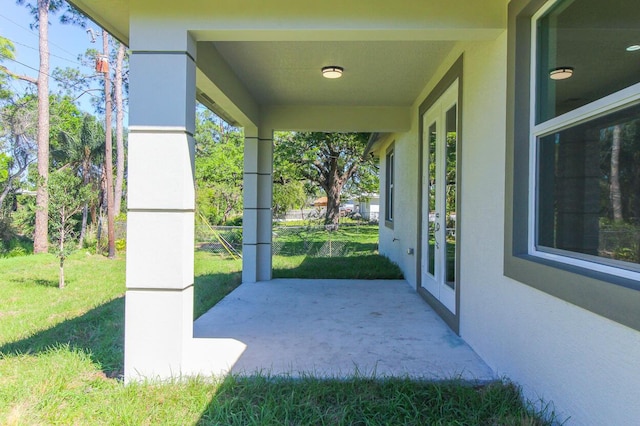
50 76
34 33
51 54
30 67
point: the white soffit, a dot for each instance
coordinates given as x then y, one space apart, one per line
382 73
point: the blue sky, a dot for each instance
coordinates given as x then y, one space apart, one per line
66 42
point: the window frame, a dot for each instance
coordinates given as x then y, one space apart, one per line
603 106
599 288
389 185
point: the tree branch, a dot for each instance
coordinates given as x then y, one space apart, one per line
18 76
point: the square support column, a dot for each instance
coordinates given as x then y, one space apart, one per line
257 216
161 205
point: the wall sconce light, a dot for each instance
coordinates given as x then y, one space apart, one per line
332 72
561 73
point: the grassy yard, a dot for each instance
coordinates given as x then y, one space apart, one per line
354 253
61 358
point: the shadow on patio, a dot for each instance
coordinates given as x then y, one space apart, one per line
335 328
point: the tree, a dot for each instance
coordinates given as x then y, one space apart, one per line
108 153
288 196
67 196
7 51
219 168
118 95
616 193
84 153
17 141
329 160
40 237
78 84
41 11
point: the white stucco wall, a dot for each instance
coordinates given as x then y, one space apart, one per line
394 242
588 366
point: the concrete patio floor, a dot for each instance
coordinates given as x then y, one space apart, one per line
335 328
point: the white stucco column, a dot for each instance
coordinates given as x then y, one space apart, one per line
256 221
161 204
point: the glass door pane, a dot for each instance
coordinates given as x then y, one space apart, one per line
432 180
451 125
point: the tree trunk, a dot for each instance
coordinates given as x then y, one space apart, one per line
119 130
41 232
61 253
83 226
616 194
85 210
108 154
332 216
61 279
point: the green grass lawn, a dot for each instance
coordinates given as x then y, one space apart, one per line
354 253
61 356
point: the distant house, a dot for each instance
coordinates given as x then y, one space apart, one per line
513 124
320 202
369 207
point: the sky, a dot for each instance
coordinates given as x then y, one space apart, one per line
66 43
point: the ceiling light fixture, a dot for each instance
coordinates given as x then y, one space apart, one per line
633 48
561 73
332 71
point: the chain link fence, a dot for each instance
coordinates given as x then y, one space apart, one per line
223 240
314 241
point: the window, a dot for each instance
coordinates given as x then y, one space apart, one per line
572 223
389 186
585 144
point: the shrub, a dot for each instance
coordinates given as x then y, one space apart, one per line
6 230
121 245
234 221
17 252
17 246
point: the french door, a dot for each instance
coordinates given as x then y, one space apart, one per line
439 198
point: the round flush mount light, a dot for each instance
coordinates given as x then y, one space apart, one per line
633 48
332 71
561 73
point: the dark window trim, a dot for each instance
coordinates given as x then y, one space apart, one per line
454 73
389 205
612 297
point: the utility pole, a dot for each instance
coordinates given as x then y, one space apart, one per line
102 65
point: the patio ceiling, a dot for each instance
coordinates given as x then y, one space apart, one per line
384 73
261 61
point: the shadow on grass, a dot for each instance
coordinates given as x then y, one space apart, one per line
99 332
37 282
209 289
339 247
363 267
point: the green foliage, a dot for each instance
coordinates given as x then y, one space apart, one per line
5 164
219 168
65 117
70 15
121 245
24 218
288 196
7 51
67 196
333 162
6 231
235 221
